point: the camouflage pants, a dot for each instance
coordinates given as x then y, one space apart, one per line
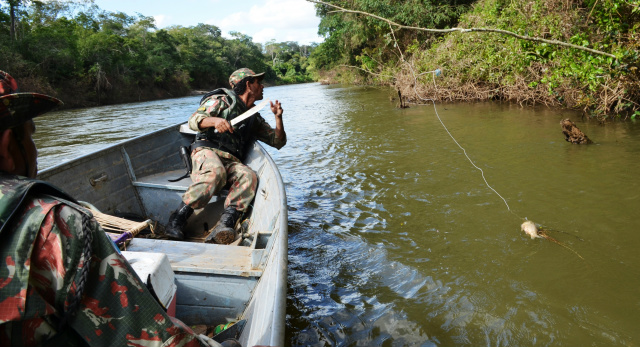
211 173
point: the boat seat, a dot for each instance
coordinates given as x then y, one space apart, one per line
161 180
203 258
184 129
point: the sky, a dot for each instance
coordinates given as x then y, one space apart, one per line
263 20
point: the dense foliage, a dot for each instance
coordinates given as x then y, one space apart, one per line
352 39
87 56
481 66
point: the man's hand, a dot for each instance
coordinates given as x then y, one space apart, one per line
276 108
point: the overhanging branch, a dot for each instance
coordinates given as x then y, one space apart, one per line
463 30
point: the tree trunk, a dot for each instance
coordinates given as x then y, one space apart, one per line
12 10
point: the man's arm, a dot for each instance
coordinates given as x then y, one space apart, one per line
265 133
206 116
276 108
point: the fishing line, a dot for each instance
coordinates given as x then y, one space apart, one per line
438 72
528 227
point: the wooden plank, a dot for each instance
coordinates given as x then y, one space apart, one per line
202 258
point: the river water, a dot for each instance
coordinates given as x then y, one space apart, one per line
395 239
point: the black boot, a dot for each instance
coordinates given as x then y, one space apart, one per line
177 222
224 232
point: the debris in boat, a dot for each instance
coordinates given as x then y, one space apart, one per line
201 329
222 327
572 133
530 228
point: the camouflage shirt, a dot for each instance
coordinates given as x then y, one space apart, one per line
42 255
222 105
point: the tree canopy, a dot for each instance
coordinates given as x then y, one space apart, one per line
75 48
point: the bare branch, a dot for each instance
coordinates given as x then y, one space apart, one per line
463 30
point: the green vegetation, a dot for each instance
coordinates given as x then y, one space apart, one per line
290 61
480 66
87 56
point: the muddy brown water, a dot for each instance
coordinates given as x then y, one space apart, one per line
394 238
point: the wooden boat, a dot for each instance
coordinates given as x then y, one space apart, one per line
216 284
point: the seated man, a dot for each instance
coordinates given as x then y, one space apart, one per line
218 151
62 282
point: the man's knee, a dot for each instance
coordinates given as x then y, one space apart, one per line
252 178
248 180
219 175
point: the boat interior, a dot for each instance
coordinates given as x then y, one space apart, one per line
215 282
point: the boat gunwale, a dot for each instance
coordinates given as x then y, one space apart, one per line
109 148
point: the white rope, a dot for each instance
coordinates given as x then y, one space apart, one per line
435 73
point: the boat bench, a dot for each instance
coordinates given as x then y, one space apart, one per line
203 258
161 196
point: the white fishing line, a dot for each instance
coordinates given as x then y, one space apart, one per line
435 73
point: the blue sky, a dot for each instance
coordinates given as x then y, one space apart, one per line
263 20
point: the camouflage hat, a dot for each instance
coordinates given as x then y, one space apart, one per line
17 108
239 74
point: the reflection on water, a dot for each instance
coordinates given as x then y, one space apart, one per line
395 239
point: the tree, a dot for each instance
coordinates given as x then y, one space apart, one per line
348 36
13 7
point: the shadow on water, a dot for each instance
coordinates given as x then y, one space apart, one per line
394 238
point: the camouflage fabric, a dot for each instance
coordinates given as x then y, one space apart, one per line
41 261
228 106
212 172
207 175
239 74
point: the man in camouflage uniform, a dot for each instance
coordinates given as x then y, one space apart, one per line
219 149
62 281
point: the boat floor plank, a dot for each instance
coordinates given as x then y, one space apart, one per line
203 258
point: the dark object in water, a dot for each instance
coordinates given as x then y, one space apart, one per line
402 103
572 133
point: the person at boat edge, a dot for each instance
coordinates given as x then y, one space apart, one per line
218 150
62 281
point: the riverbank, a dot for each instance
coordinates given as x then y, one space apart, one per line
89 57
482 66
76 94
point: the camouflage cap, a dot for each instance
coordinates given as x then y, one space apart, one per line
17 108
239 74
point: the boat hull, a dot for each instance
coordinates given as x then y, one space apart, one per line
215 283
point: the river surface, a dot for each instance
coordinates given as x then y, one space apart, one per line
395 239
